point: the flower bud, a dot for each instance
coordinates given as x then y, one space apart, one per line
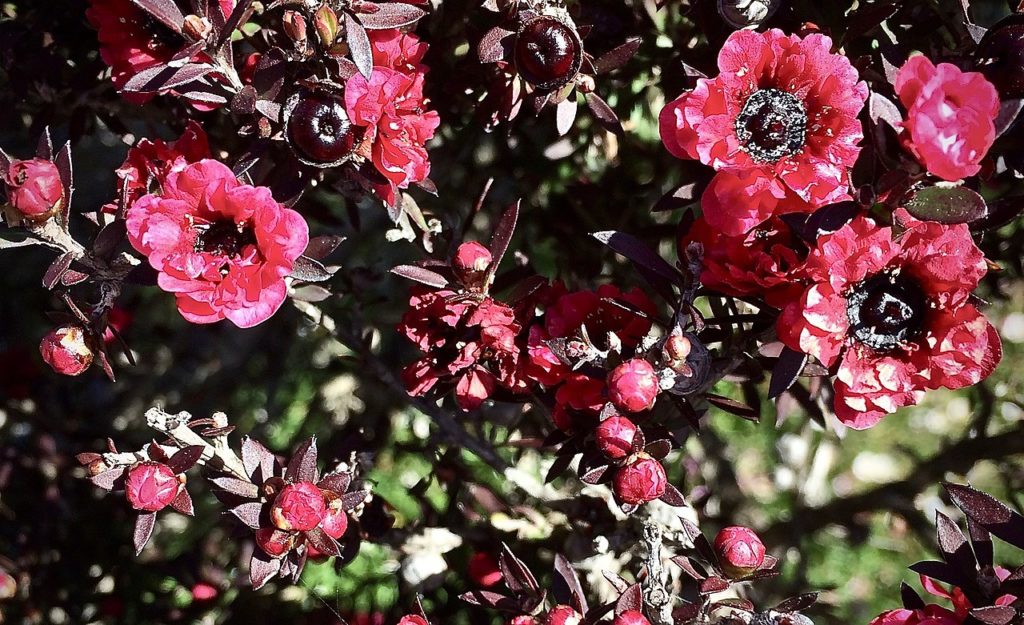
631 617
739 550
677 348
299 507
641 481
563 615
335 521
633 385
8 585
151 486
325 20
483 570
294 26
66 349
274 542
615 437
471 261
523 620
34 188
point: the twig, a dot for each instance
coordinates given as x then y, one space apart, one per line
217 455
656 596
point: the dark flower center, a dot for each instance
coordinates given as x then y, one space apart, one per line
772 125
886 310
547 53
224 238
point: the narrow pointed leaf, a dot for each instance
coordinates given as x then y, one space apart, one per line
358 45
144 525
421 275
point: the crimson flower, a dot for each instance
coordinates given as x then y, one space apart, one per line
892 315
397 50
950 116
221 246
782 113
928 615
150 161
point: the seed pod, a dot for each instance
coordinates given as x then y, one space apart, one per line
548 52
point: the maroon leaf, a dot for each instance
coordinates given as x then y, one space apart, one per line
255 455
911 600
109 478
489 599
786 371
517 576
947 205
798 603
309 270
981 541
183 503
262 568
358 45
421 275
165 11
1009 111
617 57
631 599
87 457
676 198
106 242
616 581
936 570
56 270
72 277
144 525
638 253
164 77
565 115
311 293
673 497
657 449
989 513
712 585
268 78
185 458
5 163
391 15
604 114
882 109
954 547
67 178
994 614
572 590
302 466
323 542
44 149
495 45
734 407
248 513
244 102
323 246
690 567
593 476
349 501
236 486
503 235
336 482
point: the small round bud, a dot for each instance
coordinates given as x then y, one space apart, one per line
523 620
678 348
151 486
335 521
34 188
631 617
471 261
640 481
563 615
615 437
274 542
483 570
299 507
66 349
739 550
548 52
633 385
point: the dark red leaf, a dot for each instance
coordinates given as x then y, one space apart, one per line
163 77
185 458
262 568
911 600
638 253
44 149
349 501
604 114
255 455
336 482
56 269
165 11
67 178
947 205
421 275
787 369
517 575
617 57
302 466
358 45
798 603
734 407
323 542
503 235
322 246
109 478
391 15
309 270
955 549
631 599
236 486
712 585
248 513
569 591
144 525
495 45
994 614
183 503
673 497
989 513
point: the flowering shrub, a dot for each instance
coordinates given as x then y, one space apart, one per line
734 234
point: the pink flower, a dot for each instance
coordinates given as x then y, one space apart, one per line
34 187
892 315
631 617
640 481
151 486
397 50
66 349
149 162
735 203
299 507
563 615
740 551
471 261
413 619
783 106
392 109
222 247
950 116
928 615
633 386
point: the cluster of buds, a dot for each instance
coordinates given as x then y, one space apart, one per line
294 512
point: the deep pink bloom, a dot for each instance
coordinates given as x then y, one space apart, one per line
765 262
66 349
471 261
151 486
633 385
392 109
523 620
640 481
563 615
783 106
397 50
274 542
736 202
615 437
929 615
222 247
149 162
299 507
892 316
34 187
631 617
740 550
573 311
950 116
413 619
335 521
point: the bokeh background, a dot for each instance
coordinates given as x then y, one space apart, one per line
846 512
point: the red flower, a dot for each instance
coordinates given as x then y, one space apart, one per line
66 349
735 203
928 615
34 187
631 617
633 385
397 50
149 162
950 116
563 615
740 551
640 481
392 109
299 507
544 366
765 262
892 315
413 619
471 261
573 311
483 570
274 542
223 247
782 105
615 437
151 486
